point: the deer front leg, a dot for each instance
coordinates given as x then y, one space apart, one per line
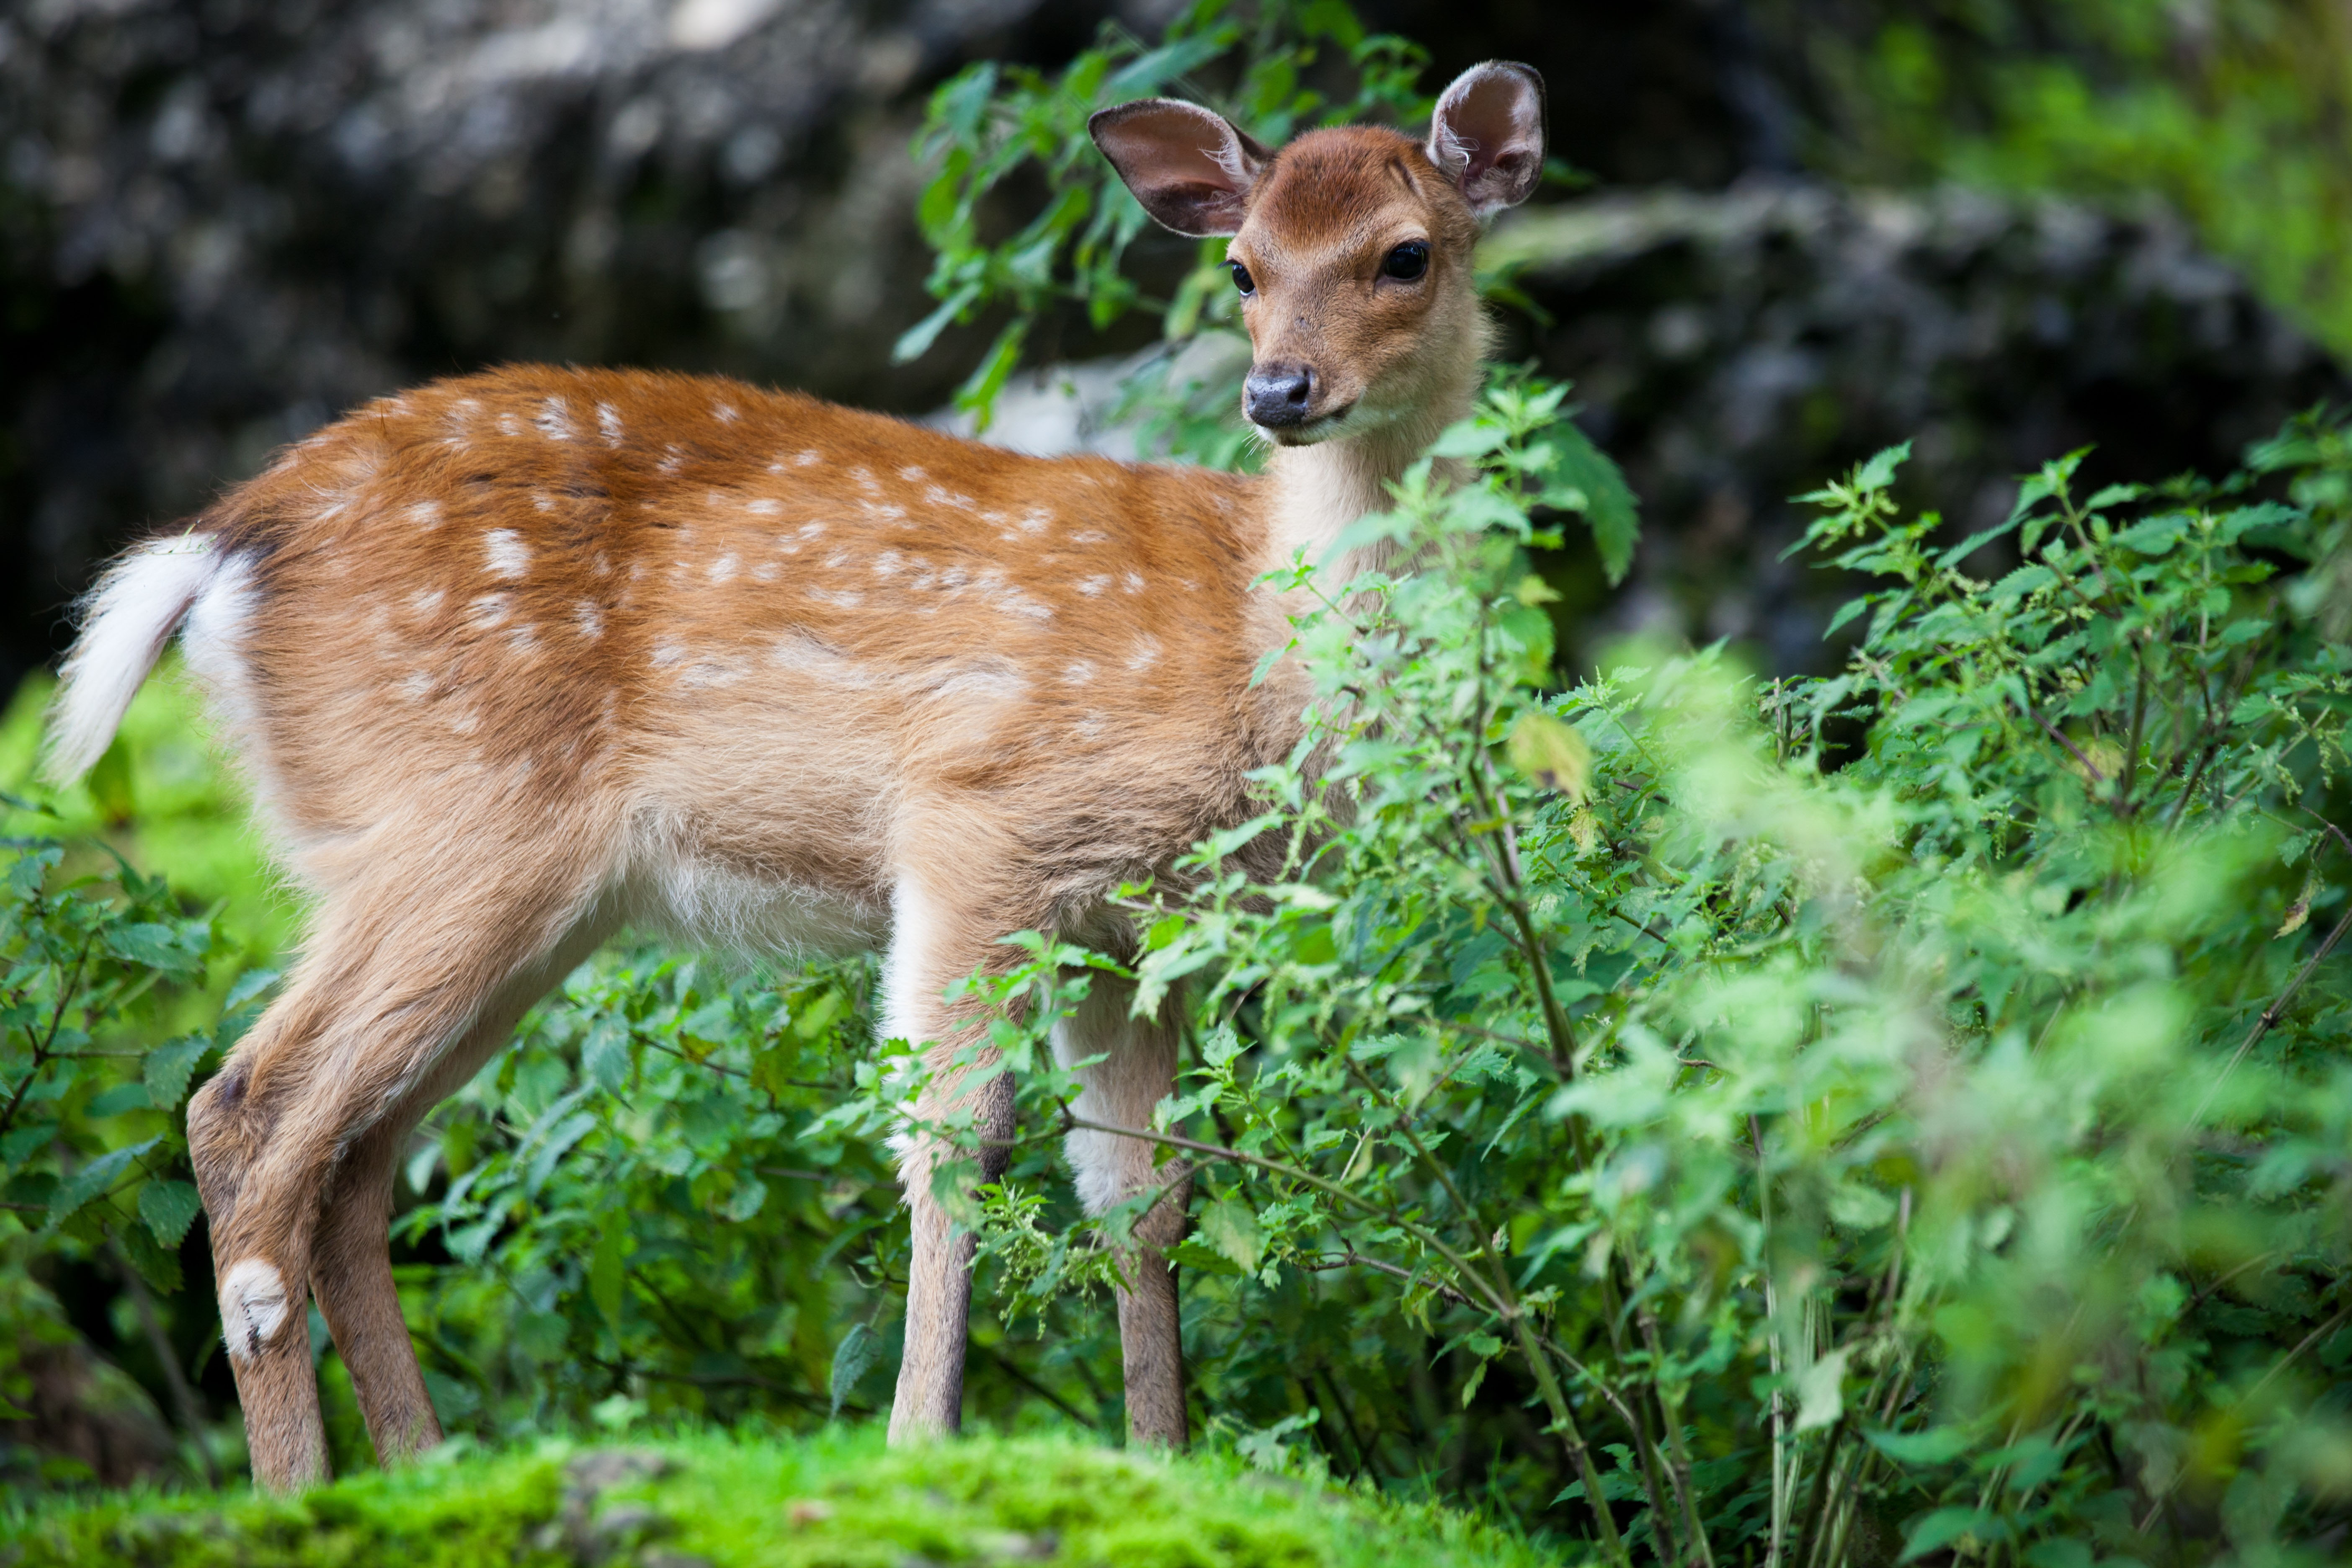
1123 1090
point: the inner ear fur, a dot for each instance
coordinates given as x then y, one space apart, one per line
1487 134
1190 168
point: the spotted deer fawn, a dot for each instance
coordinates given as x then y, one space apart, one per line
518 658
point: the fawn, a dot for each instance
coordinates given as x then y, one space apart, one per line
518 659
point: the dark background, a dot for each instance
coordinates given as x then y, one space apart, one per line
223 221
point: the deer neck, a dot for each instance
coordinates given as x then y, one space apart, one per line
1313 494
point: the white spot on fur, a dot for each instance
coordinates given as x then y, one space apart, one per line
489 611
589 619
542 500
608 422
766 506
417 687
807 459
911 474
1133 583
424 513
711 672
765 572
887 563
252 1305
1035 519
806 656
810 530
509 557
844 597
425 601
1078 672
667 651
523 639
509 426
1090 536
1091 586
554 419
722 569
669 465
1089 727
1146 654
938 497
464 722
724 413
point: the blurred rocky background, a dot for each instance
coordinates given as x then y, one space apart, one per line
1811 229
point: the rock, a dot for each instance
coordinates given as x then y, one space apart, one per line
221 225
595 1536
1739 348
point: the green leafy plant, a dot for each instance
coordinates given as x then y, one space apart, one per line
993 126
93 1090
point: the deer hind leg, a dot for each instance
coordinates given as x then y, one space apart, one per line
934 941
350 1260
280 1137
1138 1070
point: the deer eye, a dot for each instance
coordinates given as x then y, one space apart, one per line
1407 261
1241 279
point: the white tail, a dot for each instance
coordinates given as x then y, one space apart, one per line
125 622
517 659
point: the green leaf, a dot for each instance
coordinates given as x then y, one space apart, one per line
1945 1526
607 1267
158 1266
122 1097
917 341
2059 1553
1935 1446
94 1179
168 1068
860 1348
1879 472
1550 754
1609 505
1821 1392
168 1208
1232 1227
146 943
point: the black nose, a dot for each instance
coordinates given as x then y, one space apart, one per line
1278 395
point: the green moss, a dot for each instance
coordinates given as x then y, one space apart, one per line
839 1500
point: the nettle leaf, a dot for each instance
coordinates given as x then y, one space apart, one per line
1947 1525
860 1349
156 946
1609 505
1231 1228
168 1208
169 1067
1820 1398
95 1179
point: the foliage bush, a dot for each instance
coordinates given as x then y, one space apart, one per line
1897 1115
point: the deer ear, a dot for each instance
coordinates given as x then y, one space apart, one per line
1190 168
1487 135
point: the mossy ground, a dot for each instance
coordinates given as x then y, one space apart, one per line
839 1500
